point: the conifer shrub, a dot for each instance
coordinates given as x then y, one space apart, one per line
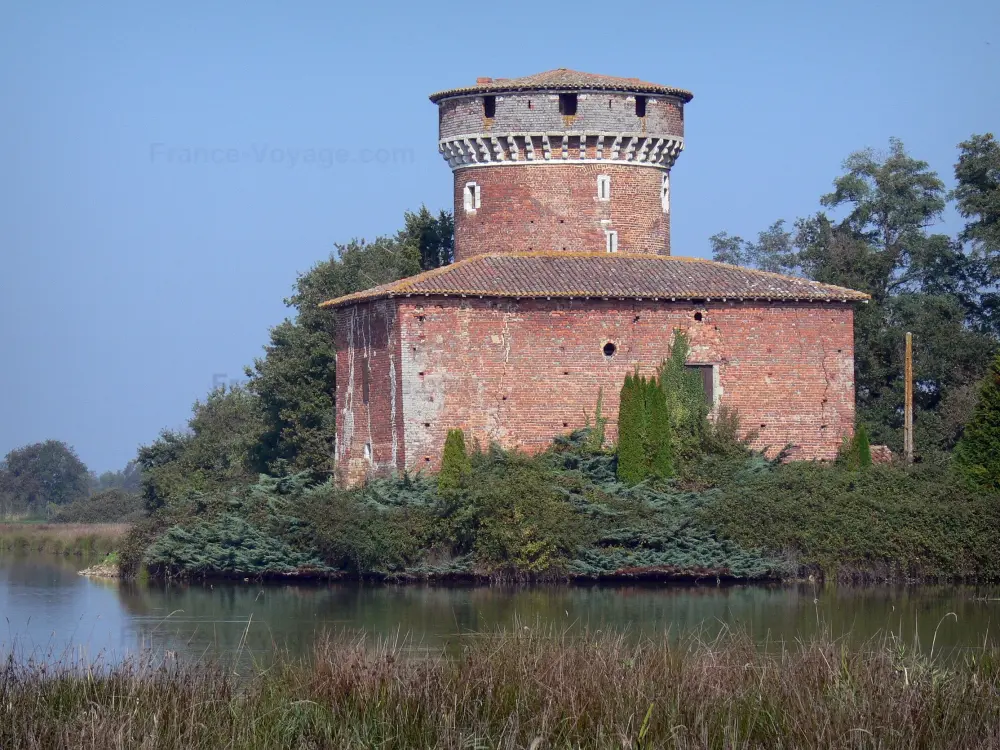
632 460
455 466
856 453
596 432
660 448
977 455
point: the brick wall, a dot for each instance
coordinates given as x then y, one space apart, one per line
596 113
555 207
369 391
522 372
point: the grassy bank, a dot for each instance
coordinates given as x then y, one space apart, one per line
521 690
62 538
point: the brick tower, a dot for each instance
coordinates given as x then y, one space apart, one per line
564 282
561 161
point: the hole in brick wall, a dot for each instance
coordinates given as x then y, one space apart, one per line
565 424
640 106
427 424
489 106
822 426
839 351
609 349
420 318
564 248
565 372
427 459
530 105
420 374
763 426
567 105
561 221
504 398
609 104
698 316
635 319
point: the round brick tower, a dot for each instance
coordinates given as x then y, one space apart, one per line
561 161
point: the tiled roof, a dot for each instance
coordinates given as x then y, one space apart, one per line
601 275
563 78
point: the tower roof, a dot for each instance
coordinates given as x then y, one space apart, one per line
601 275
563 79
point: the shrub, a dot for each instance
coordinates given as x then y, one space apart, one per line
977 455
660 449
455 465
685 397
887 522
632 465
856 453
110 506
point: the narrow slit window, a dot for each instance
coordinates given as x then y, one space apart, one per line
640 106
567 104
489 106
612 241
665 193
471 196
604 187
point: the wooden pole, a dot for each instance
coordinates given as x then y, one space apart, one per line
908 402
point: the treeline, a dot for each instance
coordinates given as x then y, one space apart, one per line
875 233
48 480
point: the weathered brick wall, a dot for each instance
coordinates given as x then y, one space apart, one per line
538 111
369 431
555 207
522 372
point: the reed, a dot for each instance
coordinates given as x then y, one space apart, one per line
62 538
520 689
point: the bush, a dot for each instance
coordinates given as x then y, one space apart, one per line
887 522
110 506
856 453
977 455
454 463
632 465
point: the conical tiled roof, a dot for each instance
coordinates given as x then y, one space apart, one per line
563 79
602 275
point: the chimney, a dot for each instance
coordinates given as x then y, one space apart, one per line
484 81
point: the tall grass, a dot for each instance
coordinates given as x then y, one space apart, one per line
521 689
62 538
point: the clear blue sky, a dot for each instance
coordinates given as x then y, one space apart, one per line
131 281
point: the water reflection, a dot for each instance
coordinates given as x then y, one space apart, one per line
49 608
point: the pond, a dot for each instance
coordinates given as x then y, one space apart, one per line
48 611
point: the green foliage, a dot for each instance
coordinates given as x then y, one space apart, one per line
226 545
724 435
929 284
659 448
455 466
295 379
856 454
110 506
632 464
888 522
39 475
685 396
977 456
214 452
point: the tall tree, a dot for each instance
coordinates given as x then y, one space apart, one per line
920 282
40 474
432 236
977 455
